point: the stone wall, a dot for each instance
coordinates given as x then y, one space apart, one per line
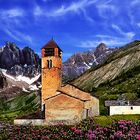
92 103
63 108
29 121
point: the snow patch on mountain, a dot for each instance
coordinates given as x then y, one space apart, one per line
88 67
33 87
25 90
27 79
7 75
21 78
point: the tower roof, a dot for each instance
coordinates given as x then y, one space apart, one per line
51 44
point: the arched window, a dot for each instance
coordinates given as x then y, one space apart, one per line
50 63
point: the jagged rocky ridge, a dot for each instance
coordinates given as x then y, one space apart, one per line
19 62
19 70
80 62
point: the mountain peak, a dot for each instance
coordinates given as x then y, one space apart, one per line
101 47
14 59
11 46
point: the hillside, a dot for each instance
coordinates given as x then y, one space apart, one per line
119 62
22 104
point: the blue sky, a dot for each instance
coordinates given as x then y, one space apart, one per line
76 25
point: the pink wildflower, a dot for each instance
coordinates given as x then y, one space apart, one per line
77 131
111 137
138 137
90 131
91 136
73 128
132 129
130 135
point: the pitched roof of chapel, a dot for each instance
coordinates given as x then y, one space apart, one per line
76 92
51 44
66 94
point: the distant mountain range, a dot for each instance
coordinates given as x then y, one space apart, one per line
22 67
80 62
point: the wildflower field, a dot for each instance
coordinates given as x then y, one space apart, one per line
118 130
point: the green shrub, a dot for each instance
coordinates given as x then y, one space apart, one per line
107 120
131 96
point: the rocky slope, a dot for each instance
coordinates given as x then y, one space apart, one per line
80 62
12 86
121 61
3 82
19 70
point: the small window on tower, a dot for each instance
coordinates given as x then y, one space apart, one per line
49 52
50 63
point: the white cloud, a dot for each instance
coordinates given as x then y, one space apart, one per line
12 35
138 24
75 7
23 36
116 27
104 8
111 41
11 19
38 11
88 44
107 2
88 18
134 2
11 13
19 36
128 35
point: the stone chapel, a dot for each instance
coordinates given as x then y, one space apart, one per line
62 103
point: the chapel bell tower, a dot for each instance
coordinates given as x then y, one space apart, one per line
51 69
